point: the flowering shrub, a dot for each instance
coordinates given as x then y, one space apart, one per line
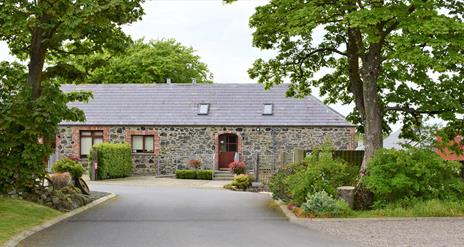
238 167
195 164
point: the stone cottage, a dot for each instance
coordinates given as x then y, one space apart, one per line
169 124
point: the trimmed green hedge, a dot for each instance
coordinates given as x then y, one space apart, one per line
195 174
114 160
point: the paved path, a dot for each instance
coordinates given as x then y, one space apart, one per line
180 216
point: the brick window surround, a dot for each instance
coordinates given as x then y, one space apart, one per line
156 145
76 134
216 145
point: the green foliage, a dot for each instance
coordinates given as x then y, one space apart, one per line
194 174
398 175
140 62
68 165
114 160
24 122
407 53
323 204
323 173
241 181
67 27
416 208
205 174
31 103
186 174
278 184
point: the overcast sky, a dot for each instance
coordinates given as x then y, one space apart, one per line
218 32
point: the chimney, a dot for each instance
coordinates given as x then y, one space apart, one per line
168 80
194 81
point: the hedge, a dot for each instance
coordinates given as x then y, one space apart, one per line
195 174
114 160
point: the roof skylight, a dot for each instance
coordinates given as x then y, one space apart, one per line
203 109
268 109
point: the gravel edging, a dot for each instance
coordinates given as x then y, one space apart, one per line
387 231
26 233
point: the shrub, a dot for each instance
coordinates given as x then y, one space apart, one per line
323 173
241 181
195 164
68 165
114 160
278 184
323 204
186 174
238 167
195 174
396 175
205 174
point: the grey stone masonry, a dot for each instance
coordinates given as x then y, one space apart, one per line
175 145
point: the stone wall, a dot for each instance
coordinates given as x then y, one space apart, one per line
174 146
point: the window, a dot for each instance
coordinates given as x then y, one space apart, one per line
88 139
142 144
203 109
268 109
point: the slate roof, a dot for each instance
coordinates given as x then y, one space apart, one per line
177 104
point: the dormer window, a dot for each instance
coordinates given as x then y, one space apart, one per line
203 109
268 109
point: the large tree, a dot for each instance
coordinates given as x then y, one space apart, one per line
31 102
395 60
141 62
35 30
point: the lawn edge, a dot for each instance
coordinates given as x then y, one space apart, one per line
294 219
16 239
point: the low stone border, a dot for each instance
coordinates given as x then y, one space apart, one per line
294 219
27 233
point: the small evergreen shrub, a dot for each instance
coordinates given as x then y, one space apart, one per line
238 167
195 174
68 165
399 175
322 204
114 160
195 164
186 174
205 174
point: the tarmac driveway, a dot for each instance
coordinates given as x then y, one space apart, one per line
179 216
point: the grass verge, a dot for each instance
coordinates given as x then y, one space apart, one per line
430 208
19 215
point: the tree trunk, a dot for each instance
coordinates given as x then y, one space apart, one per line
373 138
36 63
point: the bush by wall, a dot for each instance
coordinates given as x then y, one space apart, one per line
68 165
323 173
396 175
278 184
114 160
241 182
195 174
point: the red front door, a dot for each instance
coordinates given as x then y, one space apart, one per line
228 144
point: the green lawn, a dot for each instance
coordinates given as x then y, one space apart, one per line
431 208
19 215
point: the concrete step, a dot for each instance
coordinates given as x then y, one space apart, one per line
223 175
223 178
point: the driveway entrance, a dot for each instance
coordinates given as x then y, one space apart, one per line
167 216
